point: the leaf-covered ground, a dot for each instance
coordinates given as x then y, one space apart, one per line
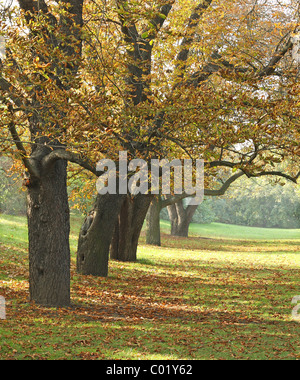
191 299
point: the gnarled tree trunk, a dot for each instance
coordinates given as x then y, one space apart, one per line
181 218
96 234
129 226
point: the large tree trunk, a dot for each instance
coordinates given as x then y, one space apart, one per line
153 236
48 209
181 218
49 229
96 234
128 227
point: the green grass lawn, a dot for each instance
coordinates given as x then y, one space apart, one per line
229 231
224 293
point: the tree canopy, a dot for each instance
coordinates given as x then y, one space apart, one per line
192 78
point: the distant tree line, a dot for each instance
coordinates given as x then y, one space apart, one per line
12 198
258 204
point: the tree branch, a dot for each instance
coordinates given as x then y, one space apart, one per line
207 192
168 201
225 186
11 91
218 63
274 173
62 154
28 163
158 21
128 26
271 66
30 7
222 190
191 29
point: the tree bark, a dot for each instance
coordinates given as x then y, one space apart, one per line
181 218
49 229
128 227
173 216
153 236
46 177
96 234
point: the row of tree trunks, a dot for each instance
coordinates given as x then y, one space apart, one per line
114 225
129 226
180 218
